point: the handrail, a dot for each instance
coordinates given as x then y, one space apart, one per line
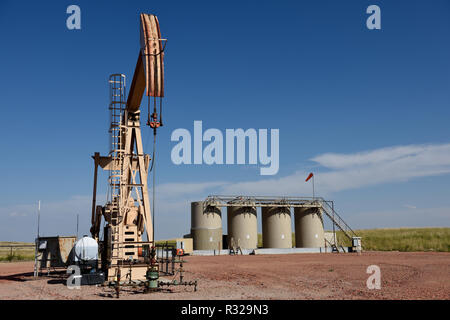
337 220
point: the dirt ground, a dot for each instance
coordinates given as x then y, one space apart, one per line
420 275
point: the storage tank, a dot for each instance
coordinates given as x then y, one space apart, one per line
86 250
309 228
243 226
206 227
276 227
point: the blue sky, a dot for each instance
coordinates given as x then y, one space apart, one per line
336 91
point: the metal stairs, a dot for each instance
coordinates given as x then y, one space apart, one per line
336 219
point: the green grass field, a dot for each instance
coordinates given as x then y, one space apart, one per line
16 253
405 239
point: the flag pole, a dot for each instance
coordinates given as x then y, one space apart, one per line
36 242
39 216
313 186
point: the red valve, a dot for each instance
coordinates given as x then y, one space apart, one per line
154 124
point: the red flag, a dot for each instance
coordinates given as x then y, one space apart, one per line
309 177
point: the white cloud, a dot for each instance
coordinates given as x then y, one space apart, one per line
336 160
385 165
338 172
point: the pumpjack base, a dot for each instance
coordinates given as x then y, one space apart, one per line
136 272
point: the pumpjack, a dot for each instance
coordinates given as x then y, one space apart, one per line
128 232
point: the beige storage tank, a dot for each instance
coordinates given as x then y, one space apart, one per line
276 227
206 227
243 227
309 228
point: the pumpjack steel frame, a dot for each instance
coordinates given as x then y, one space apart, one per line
127 212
